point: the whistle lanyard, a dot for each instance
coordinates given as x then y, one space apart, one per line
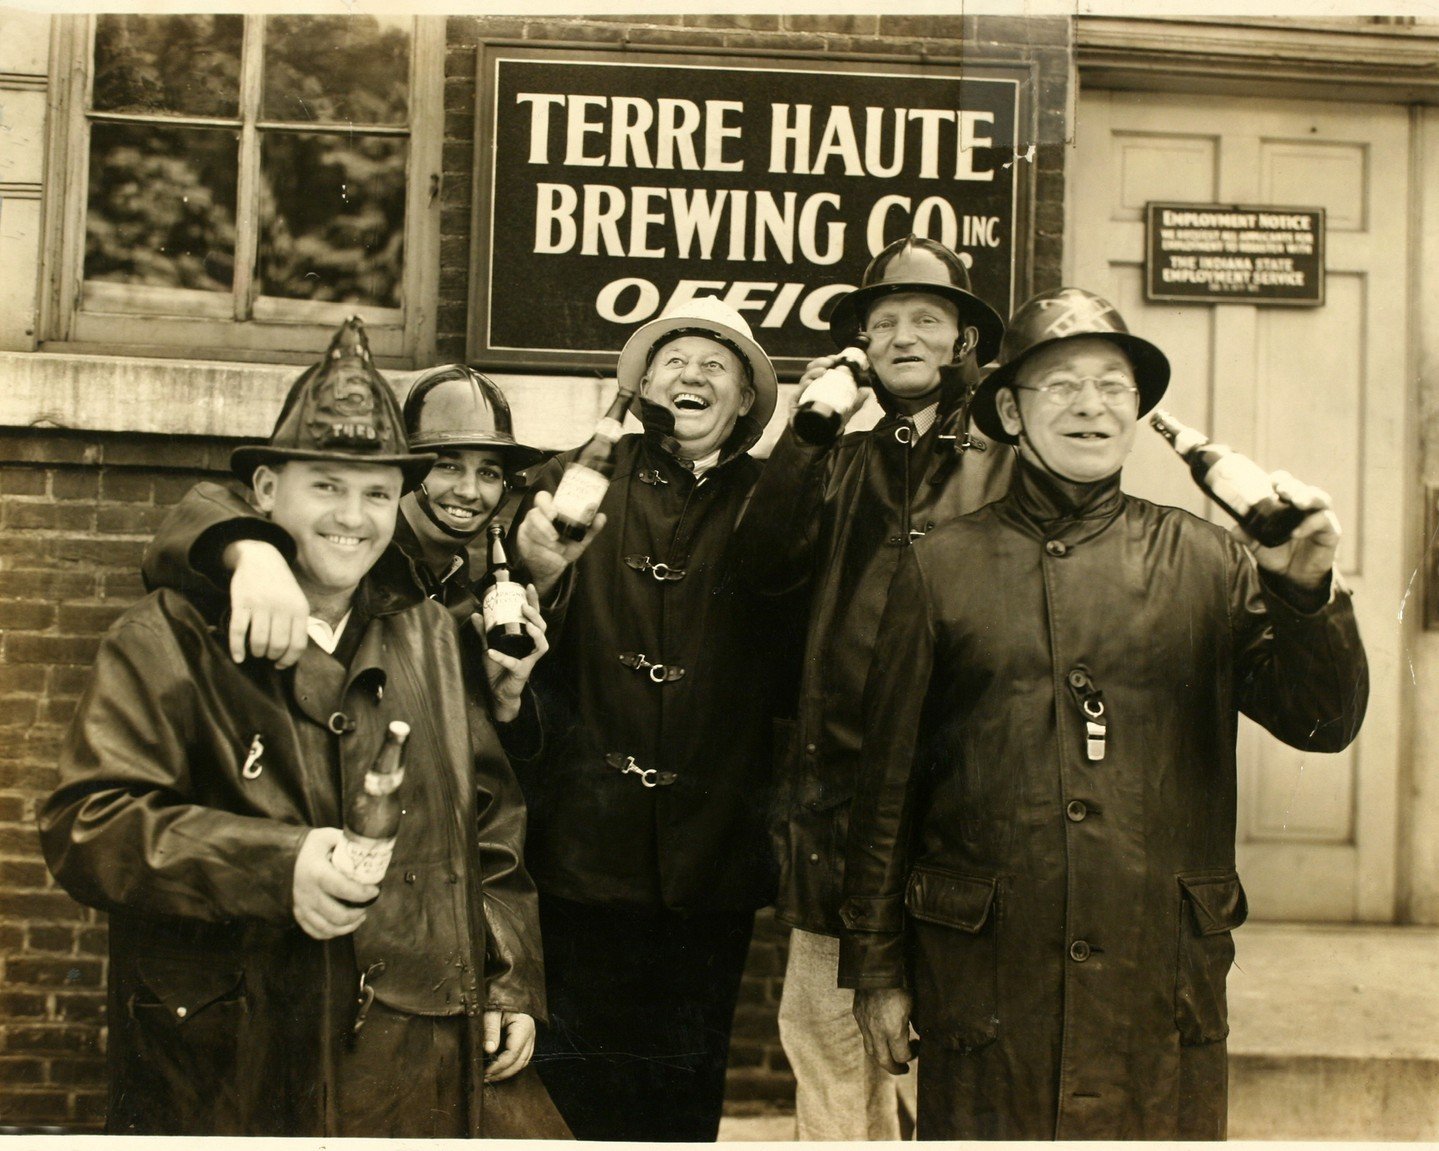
1090 701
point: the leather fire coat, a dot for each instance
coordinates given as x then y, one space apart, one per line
659 694
1043 838
831 524
187 784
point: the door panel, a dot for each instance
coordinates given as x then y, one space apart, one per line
1317 391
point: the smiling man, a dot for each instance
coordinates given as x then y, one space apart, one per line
648 807
830 523
254 988
1041 858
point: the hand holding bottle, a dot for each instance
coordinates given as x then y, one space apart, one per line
543 550
508 674
1307 556
831 390
326 903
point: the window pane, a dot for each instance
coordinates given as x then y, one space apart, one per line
337 69
332 217
186 65
161 206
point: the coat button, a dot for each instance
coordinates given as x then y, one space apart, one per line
1079 951
811 748
1076 810
409 877
1056 547
814 857
181 1012
1077 678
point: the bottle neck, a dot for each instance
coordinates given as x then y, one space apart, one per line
619 406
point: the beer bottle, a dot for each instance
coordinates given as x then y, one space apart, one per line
587 476
502 603
1234 481
372 816
820 413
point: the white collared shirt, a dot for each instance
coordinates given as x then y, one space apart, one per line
324 635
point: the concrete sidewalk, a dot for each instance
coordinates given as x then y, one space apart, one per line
1334 1034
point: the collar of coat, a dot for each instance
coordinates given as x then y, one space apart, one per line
1045 500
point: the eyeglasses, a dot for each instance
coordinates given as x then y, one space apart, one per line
1115 390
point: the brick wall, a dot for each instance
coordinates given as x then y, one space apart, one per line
75 513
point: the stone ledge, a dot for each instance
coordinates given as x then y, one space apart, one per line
238 400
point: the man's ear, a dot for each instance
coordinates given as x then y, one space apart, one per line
1007 406
746 400
967 342
265 481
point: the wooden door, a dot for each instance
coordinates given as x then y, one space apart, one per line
1317 391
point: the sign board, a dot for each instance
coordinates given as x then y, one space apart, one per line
613 184
1234 253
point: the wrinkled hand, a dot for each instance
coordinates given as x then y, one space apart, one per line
512 1035
883 1018
507 675
1307 557
812 371
267 607
544 553
322 895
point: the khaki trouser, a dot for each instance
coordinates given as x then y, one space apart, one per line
840 1092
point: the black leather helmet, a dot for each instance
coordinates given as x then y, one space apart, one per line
454 406
339 409
917 264
1066 314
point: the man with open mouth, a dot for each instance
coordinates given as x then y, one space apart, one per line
648 806
831 522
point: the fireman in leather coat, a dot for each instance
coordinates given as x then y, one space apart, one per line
254 989
1041 859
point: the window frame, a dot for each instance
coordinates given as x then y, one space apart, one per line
109 319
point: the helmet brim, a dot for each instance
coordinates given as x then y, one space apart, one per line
516 456
414 466
847 319
1151 374
634 358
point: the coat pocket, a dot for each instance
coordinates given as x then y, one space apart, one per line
182 1043
1211 906
954 957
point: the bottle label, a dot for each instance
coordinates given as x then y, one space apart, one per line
383 782
1239 482
578 497
504 603
363 859
835 388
